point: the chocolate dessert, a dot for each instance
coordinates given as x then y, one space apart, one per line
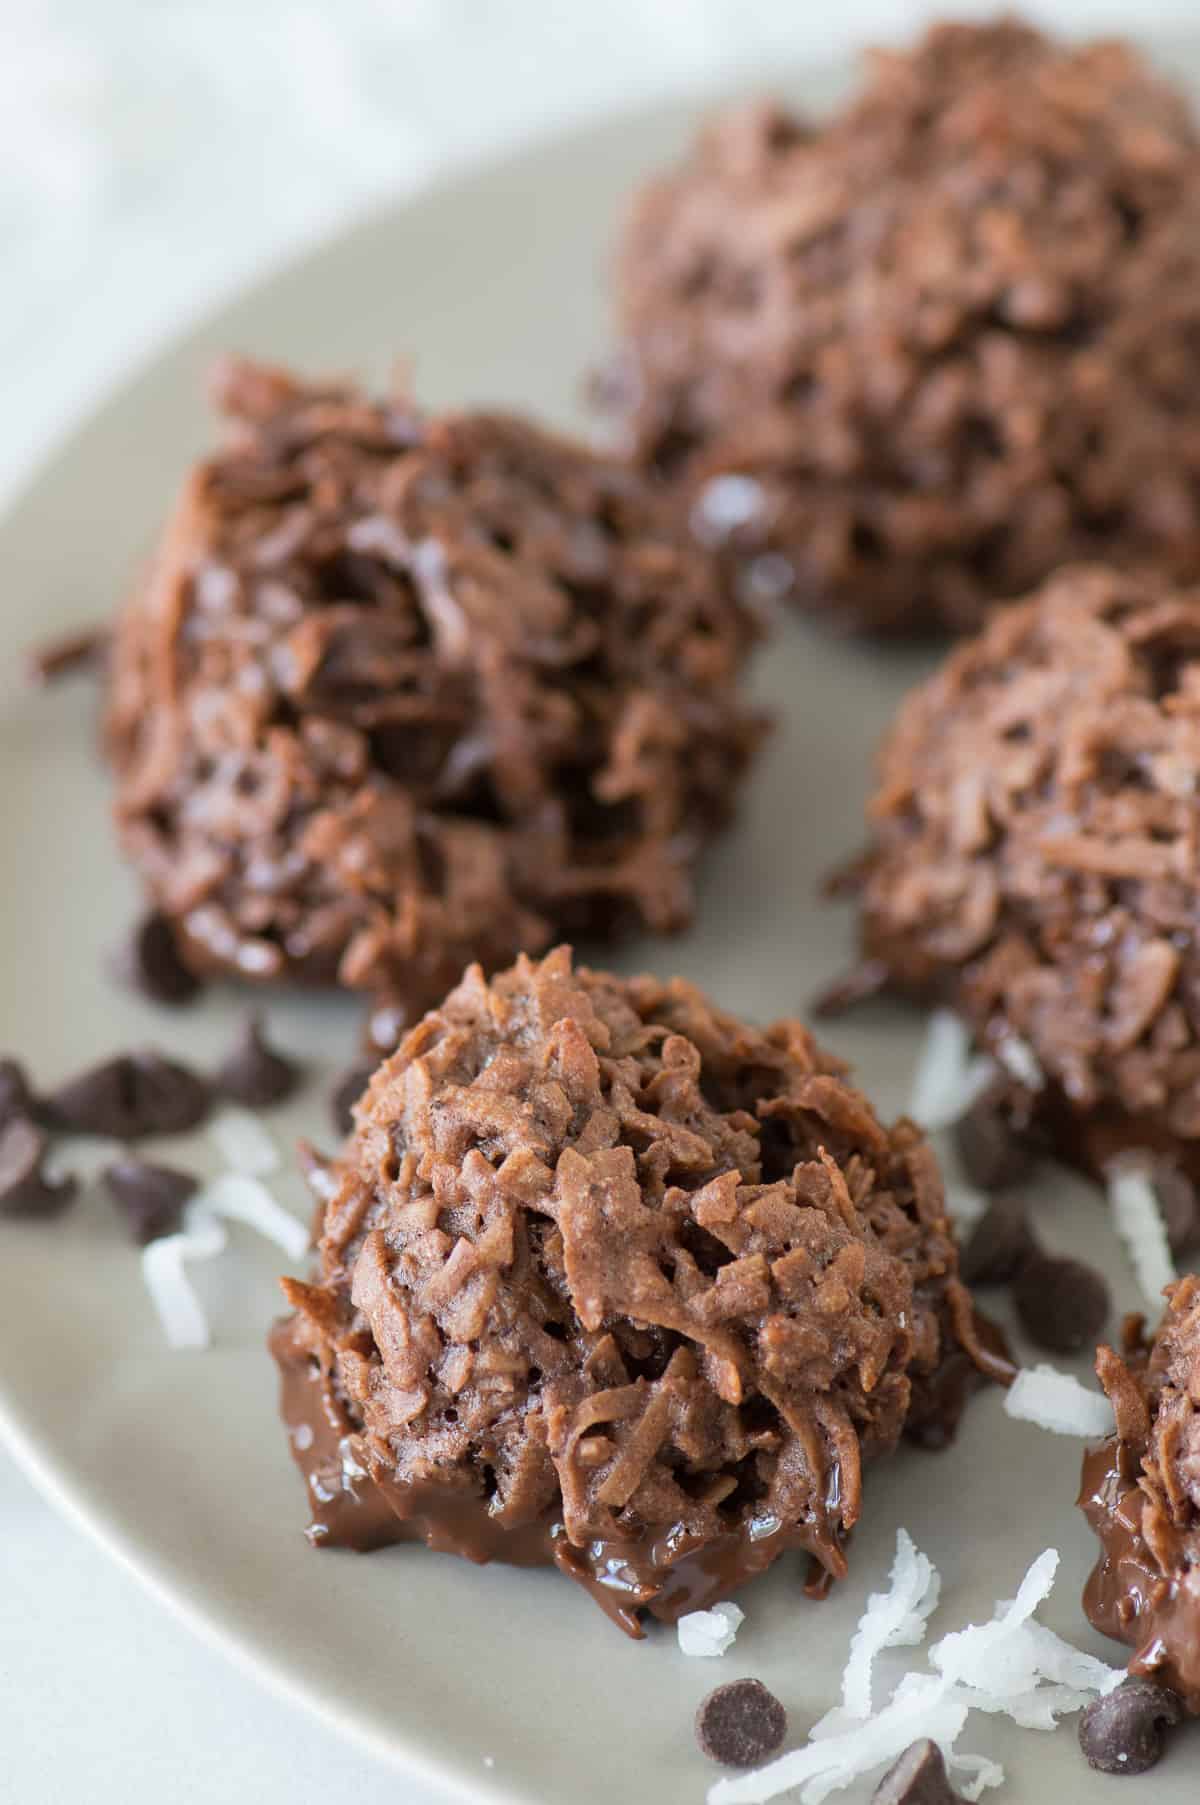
613 1281
909 361
1141 1495
1033 857
403 691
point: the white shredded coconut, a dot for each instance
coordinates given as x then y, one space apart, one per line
241 1198
202 1237
1020 1061
1057 1401
948 1079
1012 1664
895 1618
965 1205
244 1143
706 1634
1138 1221
726 503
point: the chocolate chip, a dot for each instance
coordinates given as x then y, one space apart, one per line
1123 1733
999 1244
254 1073
740 1724
24 1188
131 1095
16 1098
995 1138
150 1197
1063 1304
345 1094
149 962
918 1778
1175 1195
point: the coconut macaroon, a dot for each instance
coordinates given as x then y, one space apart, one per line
1033 858
614 1281
404 691
1141 1495
924 353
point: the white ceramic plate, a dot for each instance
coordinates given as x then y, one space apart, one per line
506 1686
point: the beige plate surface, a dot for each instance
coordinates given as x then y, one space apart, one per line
176 1462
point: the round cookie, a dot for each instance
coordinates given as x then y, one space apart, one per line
911 360
614 1281
400 692
1033 856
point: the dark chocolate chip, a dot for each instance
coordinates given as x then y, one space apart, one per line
1063 1304
150 1197
149 962
995 1138
345 1094
740 1724
254 1073
24 1188
16 1098
1123 1733
131 1095
918 1778
999 1244
1177 1202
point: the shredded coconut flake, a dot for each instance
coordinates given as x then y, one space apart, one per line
202 1237
241 1198
244 1143
707 1634
1020 1061
965 1205
948 1079
1012 1664
1056 1401
892 1619
1138 1221
726 503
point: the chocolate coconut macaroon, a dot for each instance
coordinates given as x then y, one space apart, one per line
1141 1495
402 691
612 1281
910 360
1034 860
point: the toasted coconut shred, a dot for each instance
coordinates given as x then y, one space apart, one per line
1011 1665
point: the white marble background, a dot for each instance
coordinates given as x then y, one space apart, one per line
154 154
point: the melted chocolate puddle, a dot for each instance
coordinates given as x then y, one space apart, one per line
665 1575
1129 1596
